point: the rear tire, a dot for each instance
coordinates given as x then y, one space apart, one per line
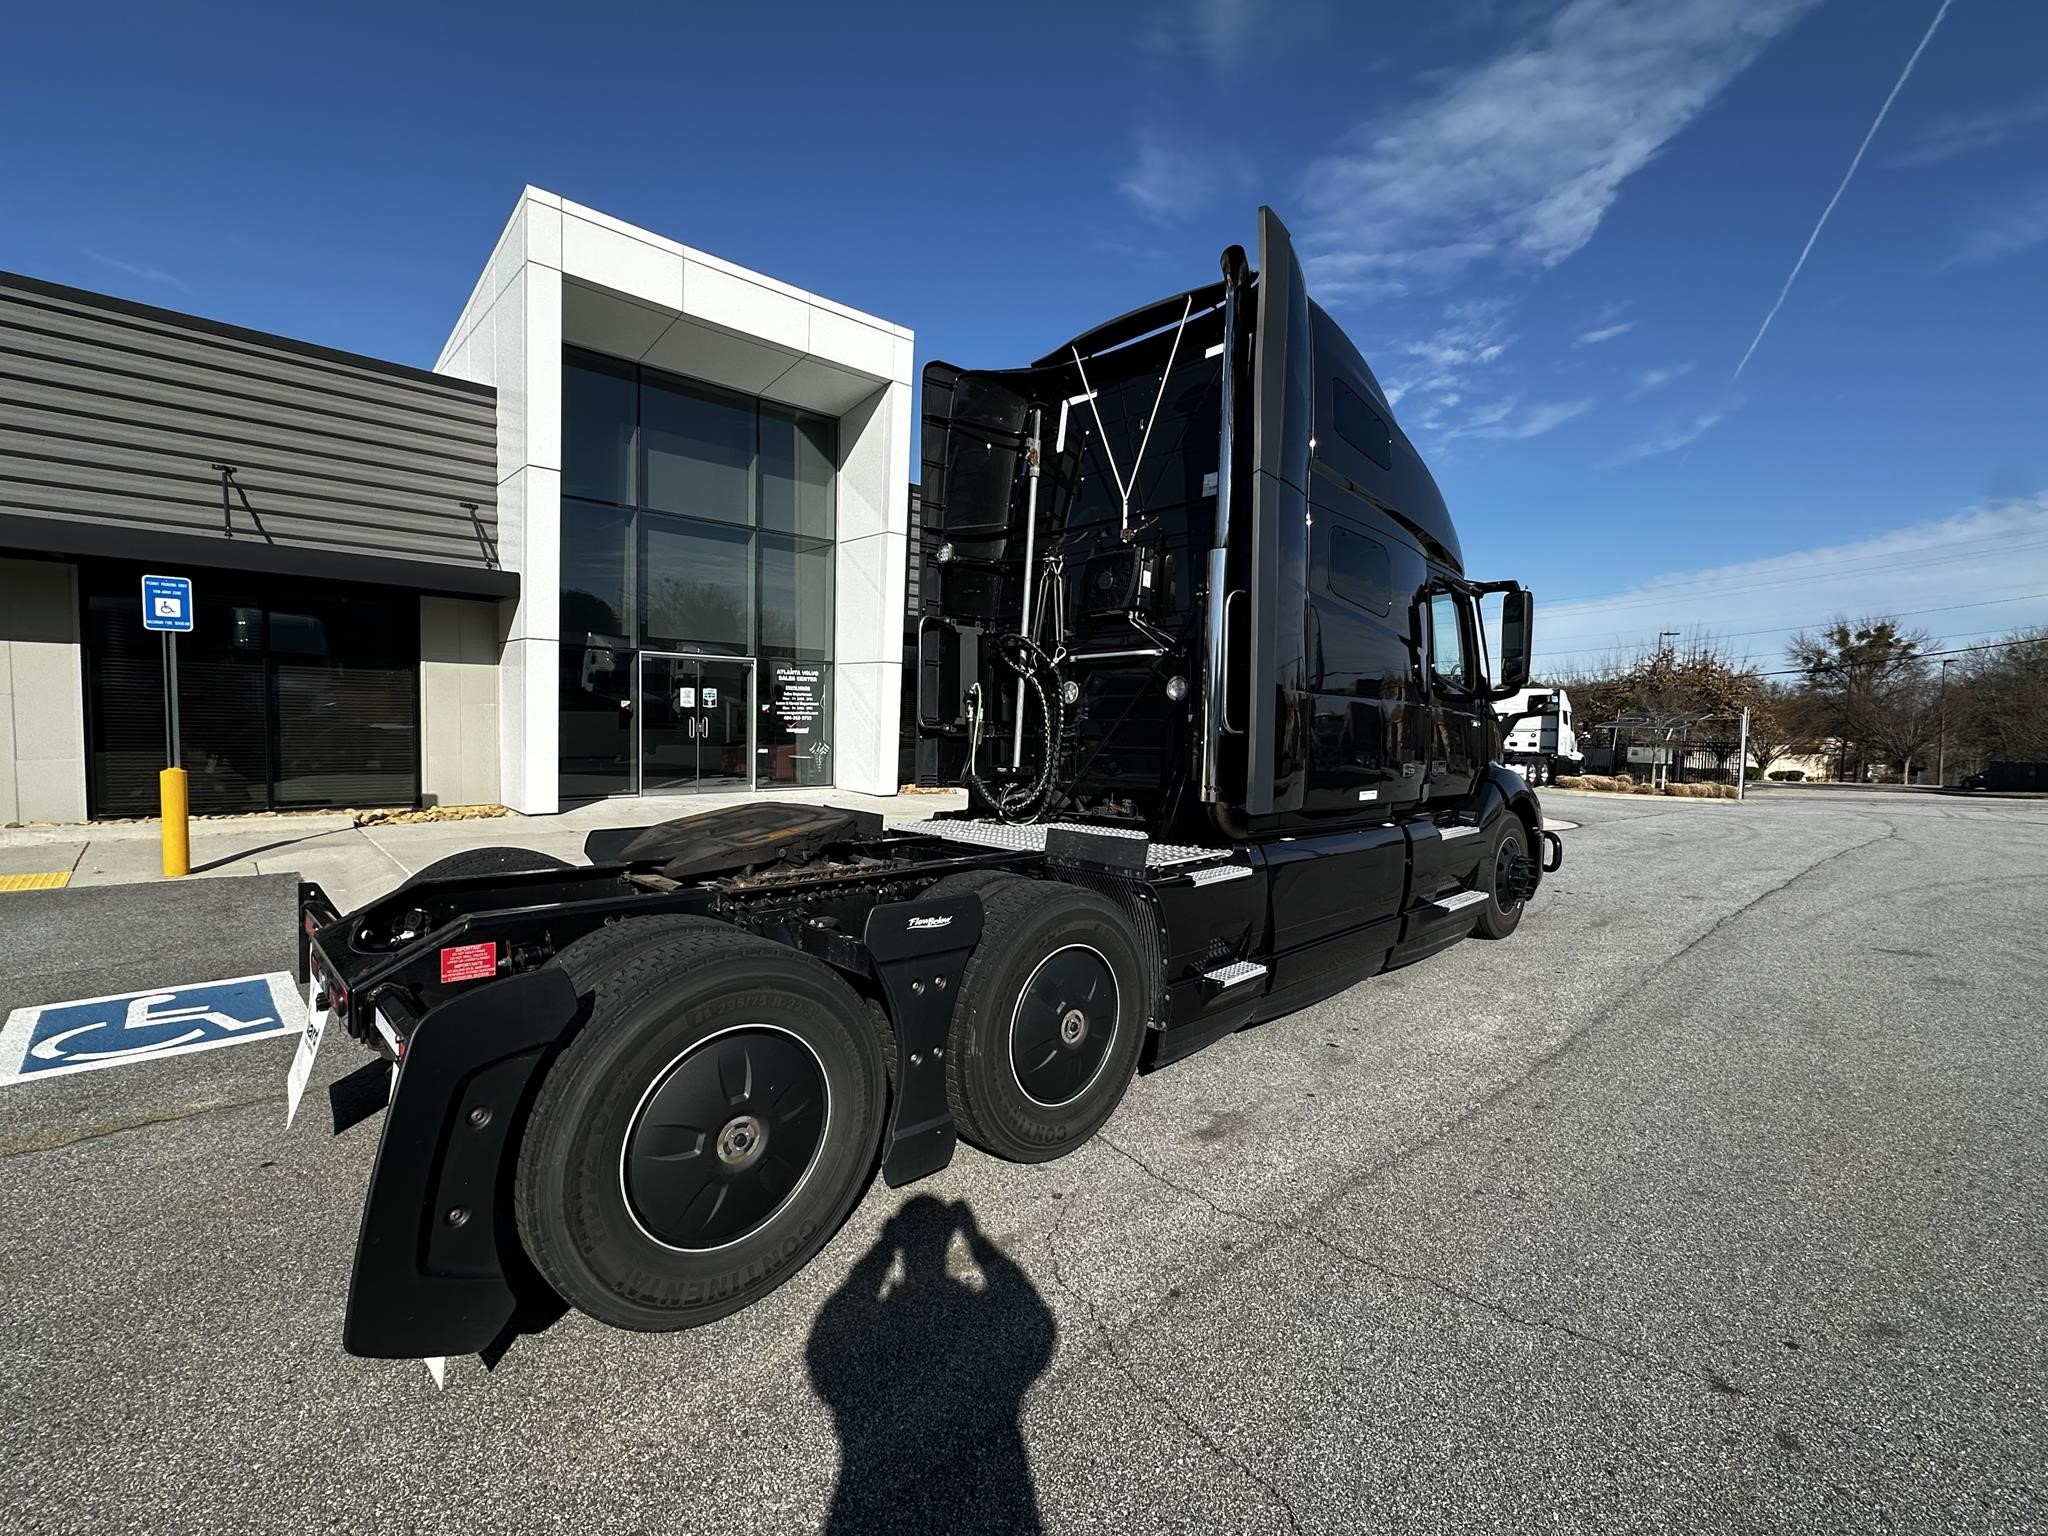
1050 1019
707 1131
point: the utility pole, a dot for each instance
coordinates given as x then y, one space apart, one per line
1941 751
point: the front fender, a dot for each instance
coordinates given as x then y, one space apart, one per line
1514 793
438 1255
1509 792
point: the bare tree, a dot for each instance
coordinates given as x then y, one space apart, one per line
1998 702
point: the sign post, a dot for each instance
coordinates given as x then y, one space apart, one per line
1742 756
167 609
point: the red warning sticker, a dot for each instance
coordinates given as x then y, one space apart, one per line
469 962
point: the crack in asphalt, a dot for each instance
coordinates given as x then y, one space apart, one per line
28 1146
1129 1371
1710 1379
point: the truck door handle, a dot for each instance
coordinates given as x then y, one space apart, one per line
1223 682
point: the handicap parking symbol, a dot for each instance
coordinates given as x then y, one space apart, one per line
166 1021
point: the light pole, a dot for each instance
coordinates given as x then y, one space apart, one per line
1941 751
1667 634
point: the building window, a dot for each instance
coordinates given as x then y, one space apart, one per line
796 596
600 421
694 587
695 523
597 571
797 472
292 694
700 450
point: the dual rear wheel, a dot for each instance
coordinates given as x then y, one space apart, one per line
719 1112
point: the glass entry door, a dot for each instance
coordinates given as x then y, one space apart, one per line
696 723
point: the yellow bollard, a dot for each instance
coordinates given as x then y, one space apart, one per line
170 786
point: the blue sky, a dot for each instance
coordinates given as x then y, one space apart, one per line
1554 229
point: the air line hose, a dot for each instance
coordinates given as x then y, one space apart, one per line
1028 800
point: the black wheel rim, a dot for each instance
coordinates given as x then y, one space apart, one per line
724 1138
1503 868
1065 1020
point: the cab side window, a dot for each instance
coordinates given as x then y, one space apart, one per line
1448 657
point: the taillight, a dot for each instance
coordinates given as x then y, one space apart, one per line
469 962
326 986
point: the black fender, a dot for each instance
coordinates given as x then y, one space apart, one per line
919 950
1514 794
439 1268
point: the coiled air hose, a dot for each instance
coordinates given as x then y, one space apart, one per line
1029 799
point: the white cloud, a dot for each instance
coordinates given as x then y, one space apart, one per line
2019 224
1520 158
136 269
1225 27
1657 378
1473 336
1670 440
1964 578
1594 337
1505 420
1947 137
1172 177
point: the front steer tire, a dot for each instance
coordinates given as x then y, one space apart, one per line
633 1211
1055 960
1500 917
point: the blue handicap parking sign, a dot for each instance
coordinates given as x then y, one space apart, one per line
167 603
169 1021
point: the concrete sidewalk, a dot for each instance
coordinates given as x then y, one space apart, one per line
356 863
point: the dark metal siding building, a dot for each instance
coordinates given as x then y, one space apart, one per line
116 420
338 518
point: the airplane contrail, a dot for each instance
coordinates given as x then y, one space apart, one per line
1904 74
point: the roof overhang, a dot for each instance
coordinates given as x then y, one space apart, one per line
27 535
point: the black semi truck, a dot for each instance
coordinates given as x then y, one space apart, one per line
1198 636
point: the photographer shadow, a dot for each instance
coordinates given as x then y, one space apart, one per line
925 1373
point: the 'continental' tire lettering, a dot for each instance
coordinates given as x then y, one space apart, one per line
732 1281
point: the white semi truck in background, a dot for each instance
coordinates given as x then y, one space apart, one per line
1540 744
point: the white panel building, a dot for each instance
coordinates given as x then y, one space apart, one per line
703 488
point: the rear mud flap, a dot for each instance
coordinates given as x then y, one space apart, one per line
920 949
439 1269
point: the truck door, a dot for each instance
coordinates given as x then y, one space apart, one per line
1459 725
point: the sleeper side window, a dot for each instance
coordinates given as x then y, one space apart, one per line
1363 427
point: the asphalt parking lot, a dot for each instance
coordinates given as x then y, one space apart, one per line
1717 1199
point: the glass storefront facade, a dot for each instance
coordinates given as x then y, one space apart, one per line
697 601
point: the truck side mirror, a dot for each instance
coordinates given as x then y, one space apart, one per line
1517 634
